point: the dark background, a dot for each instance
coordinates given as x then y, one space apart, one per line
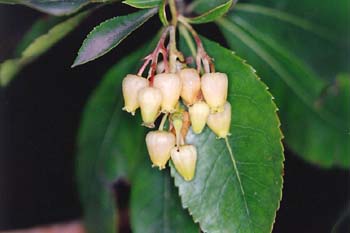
39 118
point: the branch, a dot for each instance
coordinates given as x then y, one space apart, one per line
70 227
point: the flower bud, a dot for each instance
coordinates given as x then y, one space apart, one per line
220 122
199 113
130 86
159 145
170 86
150 99
184 159
191 85
214 88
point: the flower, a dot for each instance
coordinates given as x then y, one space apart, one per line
150 99
219 122
130 86
199 113
170 86
159 145
214 88
184 159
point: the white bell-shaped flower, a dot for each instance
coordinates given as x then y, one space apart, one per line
214 88
150 99
220 122
191 85
170 86
184 159
159 145
199 113
130 86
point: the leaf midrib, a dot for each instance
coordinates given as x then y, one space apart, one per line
288 18
233 160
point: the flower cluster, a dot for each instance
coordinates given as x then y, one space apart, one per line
184 98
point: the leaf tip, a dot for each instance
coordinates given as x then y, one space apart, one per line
78 61
75 64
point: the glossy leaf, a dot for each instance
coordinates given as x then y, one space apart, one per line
303 37
143 3
333 16
55 7
202 6
109 34
212 14
238 183
155 204
39 45
315 130
110 141
287 18
112 146
162 13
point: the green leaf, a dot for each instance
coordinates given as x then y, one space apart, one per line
212 14
109 34
39 28
202 6
238 183
162 13
143 3
53 7
315 130
334 16
302 37
10 1
110 141
155 204
112 146
9 68
287 18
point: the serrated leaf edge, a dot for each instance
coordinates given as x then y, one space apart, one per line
197 19
173 170
138 6
76 63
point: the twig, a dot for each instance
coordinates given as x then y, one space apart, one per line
70 227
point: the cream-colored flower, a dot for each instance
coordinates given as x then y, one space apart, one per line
220 122
199 113
159 145
130 86
214 88
150 99
184 159
191 85
170 86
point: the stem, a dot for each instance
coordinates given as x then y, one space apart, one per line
177 124
153 58
174 54
161 126
202 55
143 67
159 49
188 39
173 10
